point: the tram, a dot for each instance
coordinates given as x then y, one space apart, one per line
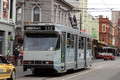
57 48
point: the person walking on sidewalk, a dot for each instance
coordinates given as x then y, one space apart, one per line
15 53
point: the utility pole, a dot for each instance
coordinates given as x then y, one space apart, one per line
23 10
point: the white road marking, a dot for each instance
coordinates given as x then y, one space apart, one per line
82 73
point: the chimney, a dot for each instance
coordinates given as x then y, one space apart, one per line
100 16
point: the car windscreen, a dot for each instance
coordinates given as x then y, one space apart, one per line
2 60
40 41
101 53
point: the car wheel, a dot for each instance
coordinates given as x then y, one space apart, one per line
13 76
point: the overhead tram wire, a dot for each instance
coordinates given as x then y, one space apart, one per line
106 5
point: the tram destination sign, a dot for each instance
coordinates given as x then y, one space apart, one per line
39 28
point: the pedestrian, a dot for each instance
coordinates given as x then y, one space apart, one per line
15 53
21 56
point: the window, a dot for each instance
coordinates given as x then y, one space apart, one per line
79 42
59 16
88 43
36 13
55 10
103 27
103 37
82 42
72 41
62 18
65 18
11 9
58 43
2 60
19 14
40 42
68 40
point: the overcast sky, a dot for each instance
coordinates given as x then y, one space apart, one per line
103 7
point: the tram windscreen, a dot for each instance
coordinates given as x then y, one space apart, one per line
40 42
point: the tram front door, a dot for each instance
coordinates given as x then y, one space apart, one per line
76 49
63 50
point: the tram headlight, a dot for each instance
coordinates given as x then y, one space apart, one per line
28 62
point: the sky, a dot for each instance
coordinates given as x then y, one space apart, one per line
103 7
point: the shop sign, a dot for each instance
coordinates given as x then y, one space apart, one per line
95 34
83 30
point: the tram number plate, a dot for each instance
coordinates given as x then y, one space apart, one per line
1 70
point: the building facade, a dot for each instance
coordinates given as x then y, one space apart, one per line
86 22
7 26
105 31
42 11
116 24
82 14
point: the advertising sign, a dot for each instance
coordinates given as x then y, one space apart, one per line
74 20
5 8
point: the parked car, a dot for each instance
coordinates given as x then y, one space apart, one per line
7 70
100 55
109 56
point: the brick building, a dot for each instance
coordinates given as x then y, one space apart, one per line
105 31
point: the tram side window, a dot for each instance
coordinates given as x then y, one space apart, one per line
68 40
82 42
88 43
79 42
72 41
58 44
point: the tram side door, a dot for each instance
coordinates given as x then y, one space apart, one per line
63 50
76 50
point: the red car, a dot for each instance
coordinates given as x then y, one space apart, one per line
100 55
109 56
